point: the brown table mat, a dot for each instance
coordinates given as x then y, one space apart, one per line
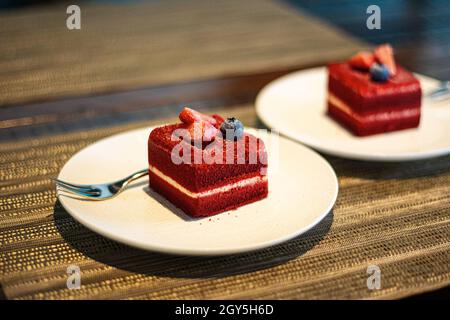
393 215
142 44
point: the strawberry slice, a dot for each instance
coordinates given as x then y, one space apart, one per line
188 115
218 119
362 60
384 54
202 131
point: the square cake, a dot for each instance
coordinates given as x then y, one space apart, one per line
369 98
210 173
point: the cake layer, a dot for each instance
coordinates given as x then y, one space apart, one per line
239 183
364 125
357 90
200 177
213 201
387 114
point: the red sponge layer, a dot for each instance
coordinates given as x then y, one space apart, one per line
212 204
203 176
368 125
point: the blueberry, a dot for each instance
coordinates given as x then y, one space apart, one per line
379 72
232 129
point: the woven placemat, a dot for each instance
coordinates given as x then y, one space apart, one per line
144 44
395 216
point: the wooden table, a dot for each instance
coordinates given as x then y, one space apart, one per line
136 65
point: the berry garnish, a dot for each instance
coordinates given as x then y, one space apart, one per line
379 72
232 129
362 60
384 54
219 120
188 115
202 131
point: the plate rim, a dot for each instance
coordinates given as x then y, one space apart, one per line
204 251
305 140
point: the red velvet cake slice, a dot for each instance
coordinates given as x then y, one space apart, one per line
373 99
210 176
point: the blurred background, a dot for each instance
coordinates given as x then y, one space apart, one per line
419 29
209 53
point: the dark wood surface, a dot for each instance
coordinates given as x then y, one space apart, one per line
143 44
419 30
77 113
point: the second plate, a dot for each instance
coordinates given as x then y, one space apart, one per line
295 105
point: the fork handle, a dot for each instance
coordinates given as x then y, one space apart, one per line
137 175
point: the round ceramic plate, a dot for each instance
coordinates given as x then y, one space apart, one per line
302 191
295 105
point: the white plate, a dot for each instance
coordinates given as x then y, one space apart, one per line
295 105
302 190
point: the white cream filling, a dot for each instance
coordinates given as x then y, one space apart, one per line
239 184
379 116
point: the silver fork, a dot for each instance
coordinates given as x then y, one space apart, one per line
99 191
442 92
